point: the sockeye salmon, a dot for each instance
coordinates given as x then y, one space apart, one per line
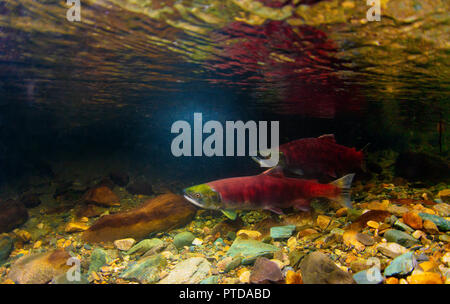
320 158
270 190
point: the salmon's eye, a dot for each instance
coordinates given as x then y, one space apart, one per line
198 195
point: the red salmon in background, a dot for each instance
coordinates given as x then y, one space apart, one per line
319 157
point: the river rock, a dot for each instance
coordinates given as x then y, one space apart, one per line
101 195
6 246
443 209
146 270
441 223
369 276
164 212
391 249
413 220
63 279
400 237
99 257
39 268
282 232
318 268
12 215
144 246
401 265
265 271
250 250
190 271
124 244
183 239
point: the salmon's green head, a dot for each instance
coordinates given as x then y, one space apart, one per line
203 196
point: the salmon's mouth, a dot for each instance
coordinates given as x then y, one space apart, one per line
193 201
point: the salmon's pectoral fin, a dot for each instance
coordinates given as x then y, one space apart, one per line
231 214
301 205
297 171
275 210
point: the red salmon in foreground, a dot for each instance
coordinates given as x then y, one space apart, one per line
318 157
270 191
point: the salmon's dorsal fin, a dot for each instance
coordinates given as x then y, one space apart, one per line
328 137
275 172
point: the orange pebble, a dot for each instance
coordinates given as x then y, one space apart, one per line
293 277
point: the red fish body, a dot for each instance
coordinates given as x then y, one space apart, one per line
273 192
321 157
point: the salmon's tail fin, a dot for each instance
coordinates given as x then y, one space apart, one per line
344 183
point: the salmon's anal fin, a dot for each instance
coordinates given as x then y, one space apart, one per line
275 210
328 137
231 214
344 183
301 205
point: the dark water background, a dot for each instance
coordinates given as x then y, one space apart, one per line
102 94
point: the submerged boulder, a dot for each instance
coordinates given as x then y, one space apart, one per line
190 271
13 214
318 268
140 186
39 268
31 200
101 195
165 212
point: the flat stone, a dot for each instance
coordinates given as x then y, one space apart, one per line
183 239
401 265
250 250
144 246
318 268
282 232
124 244
442 209
400 237
146 270
6 246
365 239
369 276
391 250
190 271
99 257
441 223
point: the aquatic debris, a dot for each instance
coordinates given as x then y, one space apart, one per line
250 250
101 195
190 271
124 244
39 268
318 268
400 237
145 270
13 214
164 212
282 232
265 271
441 223
401 265
183 239
373 215
369 276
